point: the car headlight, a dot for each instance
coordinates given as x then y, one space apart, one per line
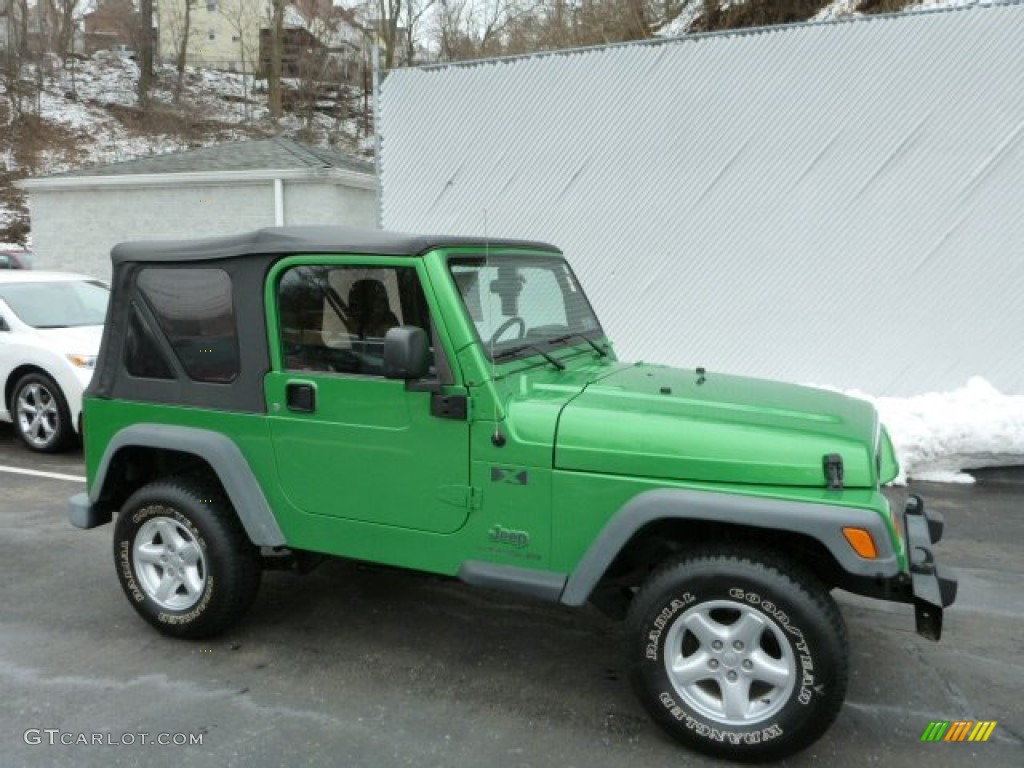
82 361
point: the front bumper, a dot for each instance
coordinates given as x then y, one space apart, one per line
932 587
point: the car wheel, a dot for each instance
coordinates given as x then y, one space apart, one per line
183 558
40 412
738 654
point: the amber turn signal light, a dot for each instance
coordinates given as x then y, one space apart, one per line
861 542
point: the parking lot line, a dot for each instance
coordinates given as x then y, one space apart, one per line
37 473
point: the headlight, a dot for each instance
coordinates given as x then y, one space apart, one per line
82 361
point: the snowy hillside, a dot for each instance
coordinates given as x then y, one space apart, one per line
87 115
836 9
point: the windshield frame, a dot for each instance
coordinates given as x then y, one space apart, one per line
527 346
13 306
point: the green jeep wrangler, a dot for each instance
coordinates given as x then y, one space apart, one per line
452 405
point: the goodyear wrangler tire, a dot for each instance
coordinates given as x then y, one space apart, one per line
738 654
183 558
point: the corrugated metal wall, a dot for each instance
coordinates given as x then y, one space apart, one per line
835 203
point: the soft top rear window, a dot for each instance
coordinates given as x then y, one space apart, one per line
195 311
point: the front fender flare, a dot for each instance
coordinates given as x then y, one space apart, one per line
223 456
822 522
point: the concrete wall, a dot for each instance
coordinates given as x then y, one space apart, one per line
74 229
323 204
834 203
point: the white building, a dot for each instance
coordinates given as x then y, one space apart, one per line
78 217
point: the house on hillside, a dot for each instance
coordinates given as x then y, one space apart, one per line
234 35
78 217
222 34
112 23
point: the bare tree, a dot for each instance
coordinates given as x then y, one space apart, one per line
176 28
316 70
244 18
471 29
16 55
276 54
145 50
415 11
60 18
388 14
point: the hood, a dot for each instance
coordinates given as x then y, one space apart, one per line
80 340
653 421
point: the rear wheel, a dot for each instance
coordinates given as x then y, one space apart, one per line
183 558
40 412
738 654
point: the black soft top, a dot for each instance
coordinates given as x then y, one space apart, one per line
310 239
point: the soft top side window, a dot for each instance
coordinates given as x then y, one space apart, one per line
194 308
334 318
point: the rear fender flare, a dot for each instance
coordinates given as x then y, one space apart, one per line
223 456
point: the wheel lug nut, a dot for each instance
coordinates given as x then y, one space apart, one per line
717 645
713 664
738 645
748 664
732 677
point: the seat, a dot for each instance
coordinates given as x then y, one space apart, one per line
370 309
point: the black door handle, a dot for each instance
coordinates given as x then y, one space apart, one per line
300 396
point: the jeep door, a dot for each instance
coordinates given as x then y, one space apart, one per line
350 443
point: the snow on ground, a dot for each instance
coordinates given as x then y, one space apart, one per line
938 435
680 25
842 9
837 9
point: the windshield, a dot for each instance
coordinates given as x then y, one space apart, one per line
519 301
60 304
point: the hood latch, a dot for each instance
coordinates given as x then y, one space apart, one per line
833 465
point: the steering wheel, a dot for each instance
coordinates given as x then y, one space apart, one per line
499 332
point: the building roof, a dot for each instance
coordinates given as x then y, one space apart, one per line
276 154
307 239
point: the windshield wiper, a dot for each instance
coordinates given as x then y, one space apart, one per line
511 351
577 335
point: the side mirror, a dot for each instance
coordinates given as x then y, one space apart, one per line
406 353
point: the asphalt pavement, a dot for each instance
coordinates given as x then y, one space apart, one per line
357 666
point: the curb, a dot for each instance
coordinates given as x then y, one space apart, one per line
999 475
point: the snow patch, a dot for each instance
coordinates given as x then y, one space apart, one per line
939 435
837 9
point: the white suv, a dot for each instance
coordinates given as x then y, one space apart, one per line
50 327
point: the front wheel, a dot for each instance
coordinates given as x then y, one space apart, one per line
41 416
738 654
183 558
